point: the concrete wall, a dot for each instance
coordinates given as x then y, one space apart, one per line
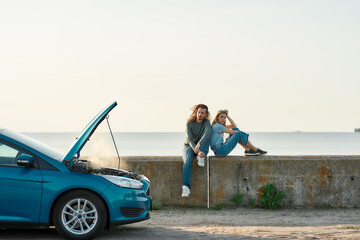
306 180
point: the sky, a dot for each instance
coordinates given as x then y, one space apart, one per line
277 66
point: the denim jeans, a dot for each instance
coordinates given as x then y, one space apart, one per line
231 142
188 156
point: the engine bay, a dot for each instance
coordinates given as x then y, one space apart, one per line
84 166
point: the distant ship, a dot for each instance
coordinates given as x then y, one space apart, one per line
357 129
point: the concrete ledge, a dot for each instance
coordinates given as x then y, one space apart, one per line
306 180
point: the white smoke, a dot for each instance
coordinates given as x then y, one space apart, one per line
101 151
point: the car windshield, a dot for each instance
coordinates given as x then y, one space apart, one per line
34 144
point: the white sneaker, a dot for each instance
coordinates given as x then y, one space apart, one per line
201 161
185 191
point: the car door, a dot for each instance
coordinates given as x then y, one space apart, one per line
20 187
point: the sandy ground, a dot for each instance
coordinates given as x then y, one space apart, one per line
246 223
235 223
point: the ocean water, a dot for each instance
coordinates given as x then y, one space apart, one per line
171 144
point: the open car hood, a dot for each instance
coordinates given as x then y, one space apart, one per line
85 135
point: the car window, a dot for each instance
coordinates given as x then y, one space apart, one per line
8 155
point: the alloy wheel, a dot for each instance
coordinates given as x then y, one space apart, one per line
79 216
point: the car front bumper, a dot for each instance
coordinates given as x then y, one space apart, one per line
128 205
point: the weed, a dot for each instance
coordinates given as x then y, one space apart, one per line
218 206
270 197
157 204
356 227
237 199
252 202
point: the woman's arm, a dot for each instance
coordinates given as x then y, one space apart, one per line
232 123
230 131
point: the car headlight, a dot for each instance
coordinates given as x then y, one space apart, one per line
123 181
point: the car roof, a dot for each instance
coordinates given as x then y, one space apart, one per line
32 143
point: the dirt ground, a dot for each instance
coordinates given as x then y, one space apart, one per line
246 223
230 223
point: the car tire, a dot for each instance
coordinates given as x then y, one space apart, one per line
79 215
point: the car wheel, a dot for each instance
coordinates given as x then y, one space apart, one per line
79 215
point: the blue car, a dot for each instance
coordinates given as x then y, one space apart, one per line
42 187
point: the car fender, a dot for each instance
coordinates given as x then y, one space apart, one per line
53 188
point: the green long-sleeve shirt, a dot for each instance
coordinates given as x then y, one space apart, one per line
197 133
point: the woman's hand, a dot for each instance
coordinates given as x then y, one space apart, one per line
232 123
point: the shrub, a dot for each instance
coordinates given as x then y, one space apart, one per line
271 198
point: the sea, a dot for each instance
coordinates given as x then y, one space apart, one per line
171 143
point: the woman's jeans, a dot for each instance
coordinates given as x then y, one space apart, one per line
188 156
231 143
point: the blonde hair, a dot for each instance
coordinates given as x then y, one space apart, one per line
216 117
195 108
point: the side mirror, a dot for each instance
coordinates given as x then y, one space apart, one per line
25 160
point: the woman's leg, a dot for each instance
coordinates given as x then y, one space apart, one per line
231 143
245 143
250 146
188 155
205 147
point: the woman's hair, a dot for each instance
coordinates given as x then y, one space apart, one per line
195 108
216 117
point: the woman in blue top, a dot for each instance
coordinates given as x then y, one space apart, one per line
221 148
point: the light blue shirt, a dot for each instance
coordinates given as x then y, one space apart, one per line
217 135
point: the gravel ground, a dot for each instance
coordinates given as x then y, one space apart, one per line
231 223
247 223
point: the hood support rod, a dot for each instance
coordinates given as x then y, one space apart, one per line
112 136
